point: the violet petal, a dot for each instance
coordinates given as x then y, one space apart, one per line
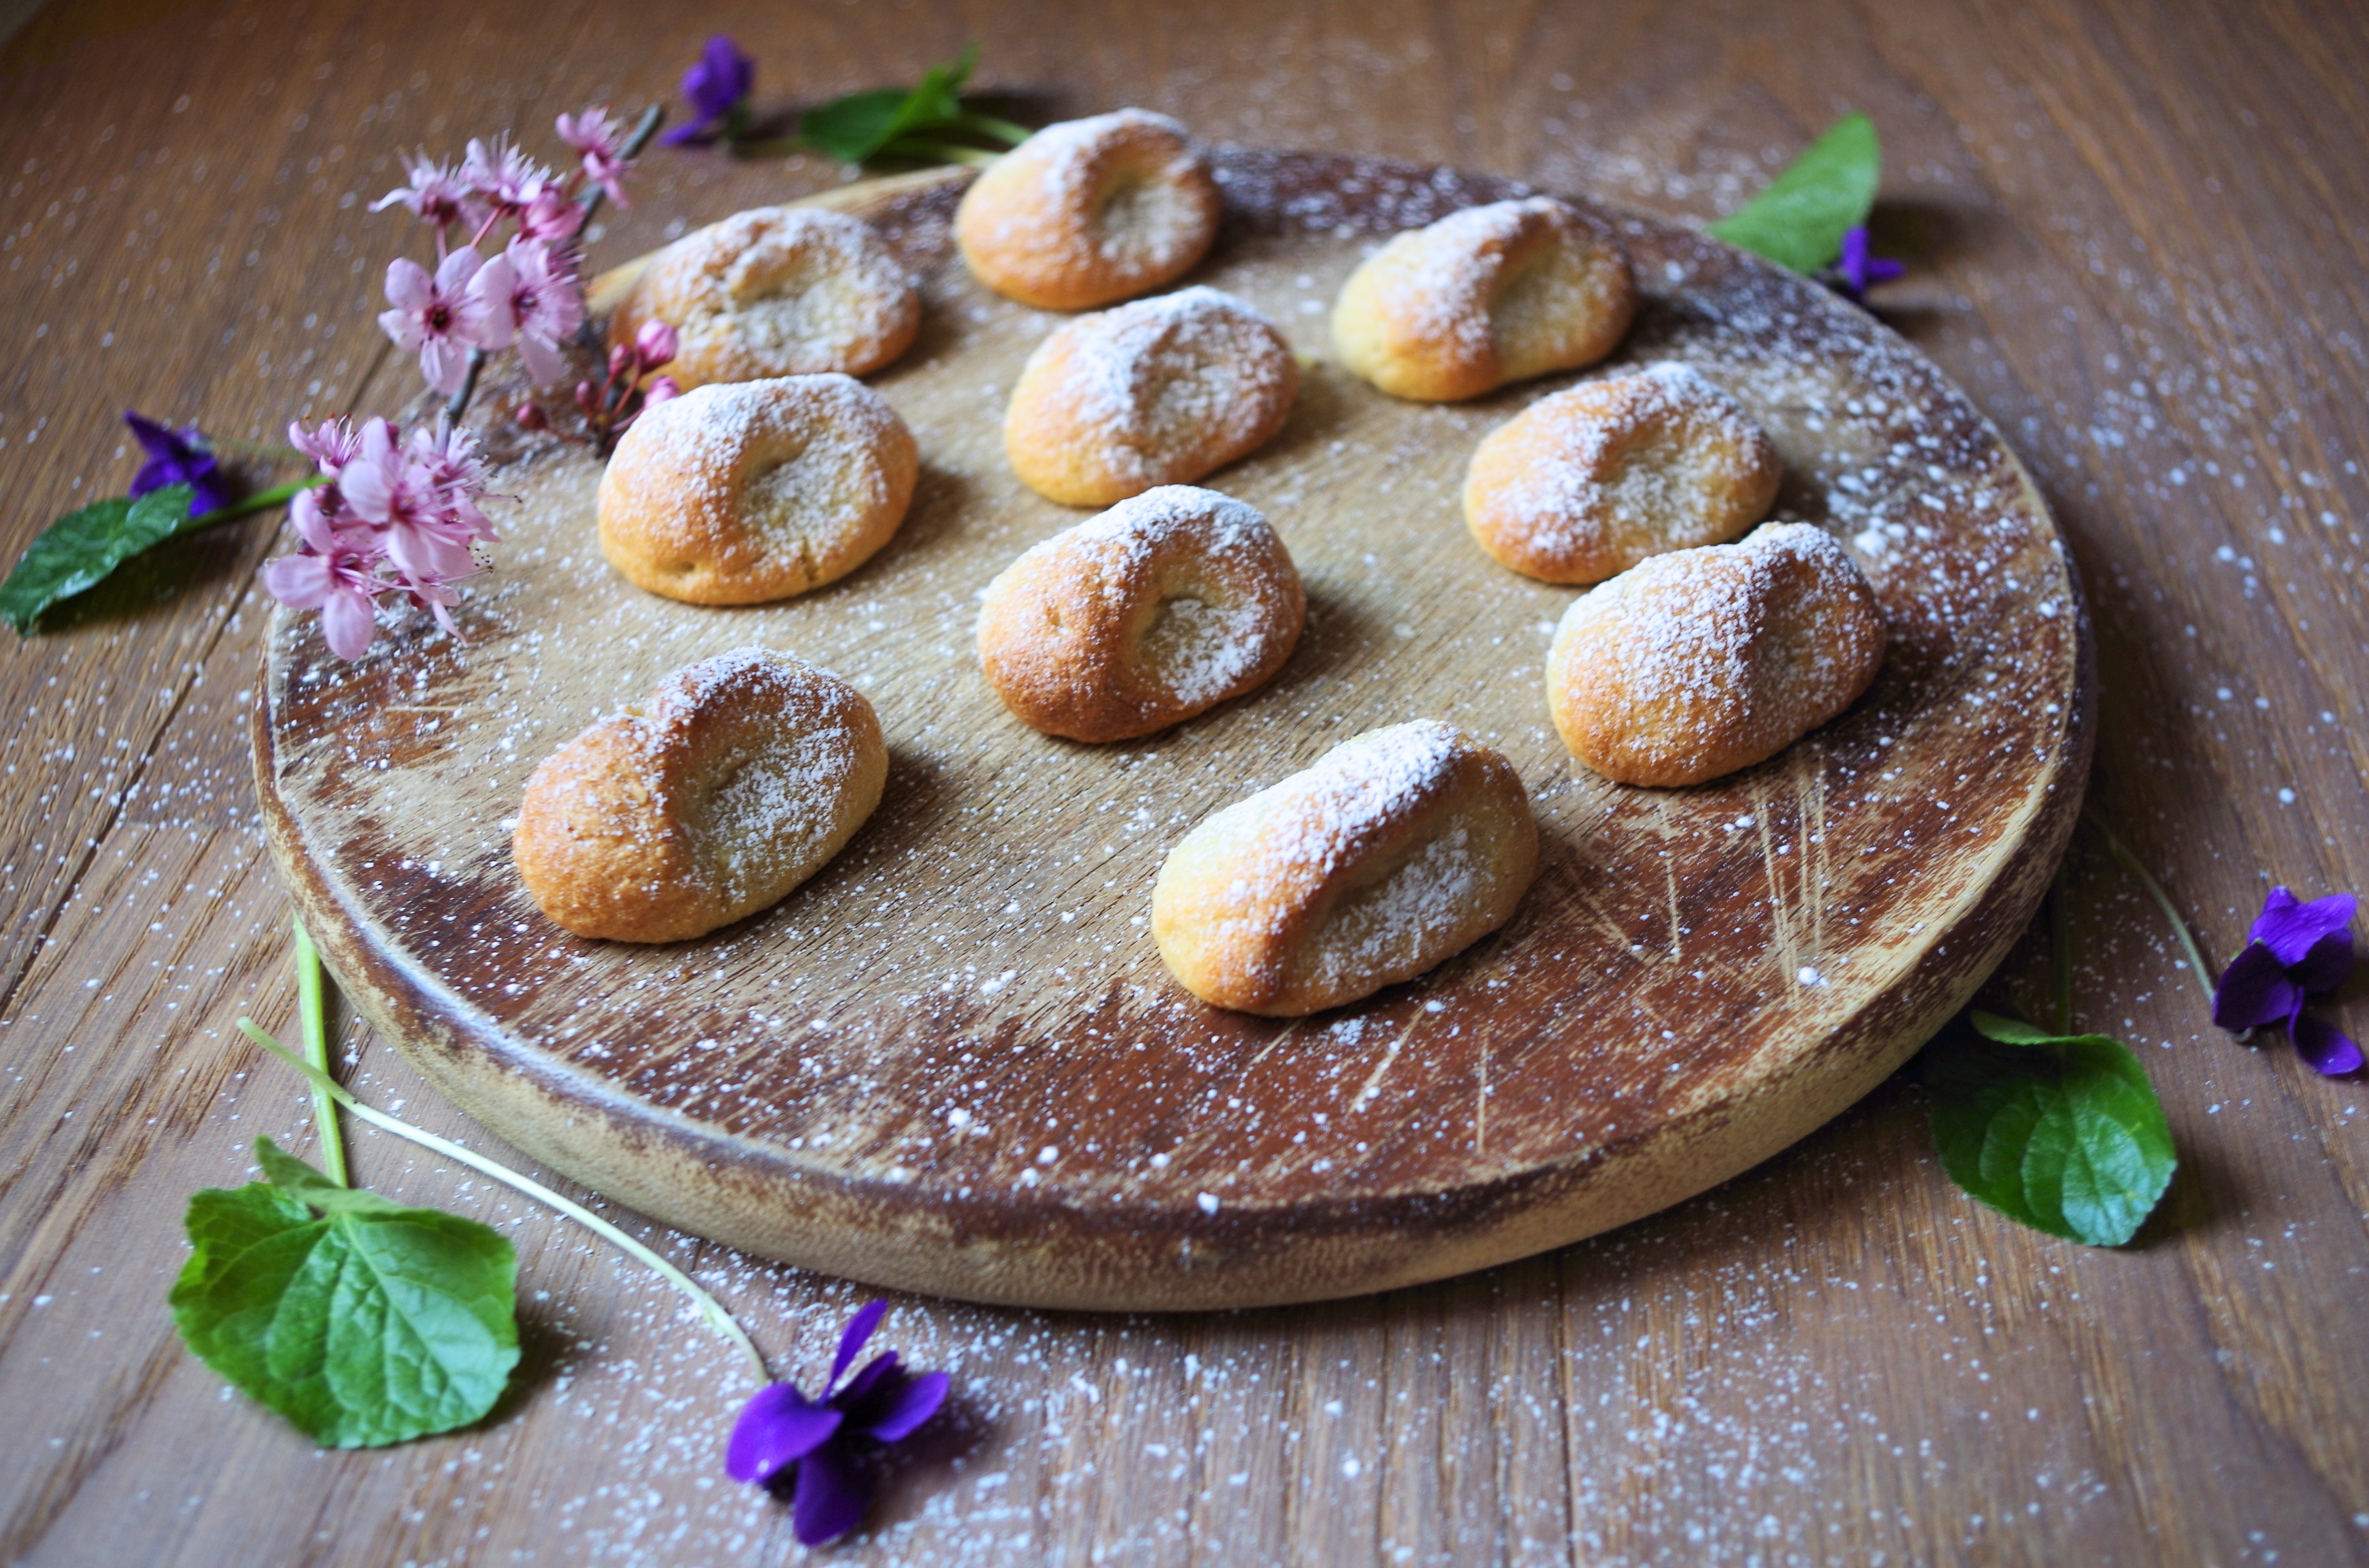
851 1342
881 1376
778 1427
2326 1047
834 1488
2326 965
2254 991
896 1416
2289 927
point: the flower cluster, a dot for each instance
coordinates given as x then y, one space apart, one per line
716 87
823 1450
632 386
1858 269
527 295
395 515
2295 952
177 457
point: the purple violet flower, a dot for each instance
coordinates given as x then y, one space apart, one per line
716 87
1859 269
824 1449
178 458
2294 953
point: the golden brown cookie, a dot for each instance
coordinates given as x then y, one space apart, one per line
745 773
1162 607
1703 661
1089 212
1482 297
756 490
776 291
1400 848
1594 479
1160 392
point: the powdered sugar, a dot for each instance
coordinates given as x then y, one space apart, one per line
1194 370
1650 468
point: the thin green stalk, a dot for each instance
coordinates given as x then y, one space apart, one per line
246 506
941 152
708 1305
1002 130
2060 945
2130 863
313 1007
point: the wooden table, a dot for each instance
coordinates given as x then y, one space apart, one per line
2136 236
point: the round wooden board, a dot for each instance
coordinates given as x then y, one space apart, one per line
953 1061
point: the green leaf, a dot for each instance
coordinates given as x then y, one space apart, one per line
363 1326
294 1176
1800 220
81 547
860 125
2061 1132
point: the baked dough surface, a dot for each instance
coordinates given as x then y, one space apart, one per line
753 491
1700 662
1161 608
1396 850
743 776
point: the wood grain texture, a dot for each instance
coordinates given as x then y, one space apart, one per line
2138 245
952 1062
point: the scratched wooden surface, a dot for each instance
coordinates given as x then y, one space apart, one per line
954 1063
2137 240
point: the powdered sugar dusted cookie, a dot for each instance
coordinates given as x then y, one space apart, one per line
1160 392
1089 212
756 490
776 291
1594 479
1703 661
1162 607
740 780
1482 297
1400 848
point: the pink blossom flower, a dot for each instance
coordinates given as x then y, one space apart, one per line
505 178
545 306
659 390
437 193
456 471
337 586
601 144
440 318
553 217
426 542
655 345
331 447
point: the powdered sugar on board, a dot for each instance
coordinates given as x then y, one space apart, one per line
923 1014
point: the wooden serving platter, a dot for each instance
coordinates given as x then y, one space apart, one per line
953 1061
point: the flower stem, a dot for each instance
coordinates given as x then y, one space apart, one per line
708 1305
643 129
2130 863
459 404
1002 130
939 151
313 1007
246 506
2060 945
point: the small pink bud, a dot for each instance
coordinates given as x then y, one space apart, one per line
659 391
588 397
655 344
621 361
531 415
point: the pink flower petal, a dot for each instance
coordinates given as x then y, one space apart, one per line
346 622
